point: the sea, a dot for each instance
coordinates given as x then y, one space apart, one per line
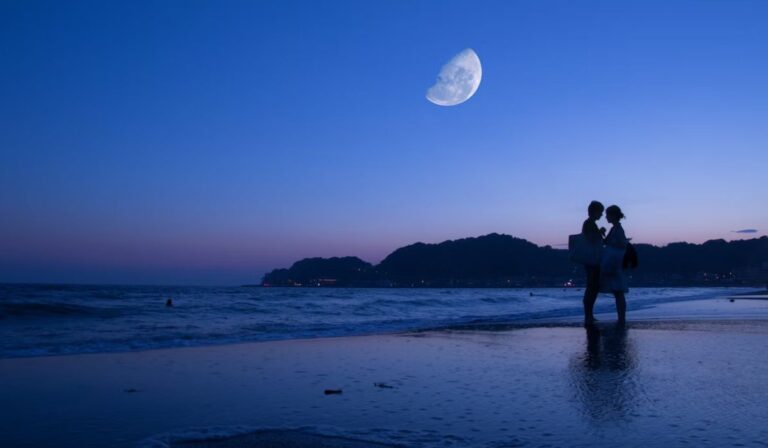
41 320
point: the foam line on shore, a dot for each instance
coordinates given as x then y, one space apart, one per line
309 436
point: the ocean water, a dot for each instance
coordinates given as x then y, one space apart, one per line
39 320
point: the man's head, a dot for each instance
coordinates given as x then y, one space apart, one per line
595 210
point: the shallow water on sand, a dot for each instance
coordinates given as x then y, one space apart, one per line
557 386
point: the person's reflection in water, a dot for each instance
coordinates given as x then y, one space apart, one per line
604 375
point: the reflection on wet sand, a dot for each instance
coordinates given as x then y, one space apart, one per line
604 376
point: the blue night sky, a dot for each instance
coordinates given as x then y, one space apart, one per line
209 142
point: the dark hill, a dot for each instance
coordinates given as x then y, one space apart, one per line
336 271
488 258
503 260
719 258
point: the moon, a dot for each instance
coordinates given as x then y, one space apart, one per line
458 80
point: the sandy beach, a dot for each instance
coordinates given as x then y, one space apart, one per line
688 381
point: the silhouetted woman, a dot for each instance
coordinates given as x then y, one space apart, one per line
612 278
594 236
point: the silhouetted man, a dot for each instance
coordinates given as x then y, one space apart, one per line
594 235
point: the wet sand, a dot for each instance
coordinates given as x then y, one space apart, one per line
657 382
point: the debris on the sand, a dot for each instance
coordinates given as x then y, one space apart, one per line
332 391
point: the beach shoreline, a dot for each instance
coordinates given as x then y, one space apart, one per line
120 323
480 387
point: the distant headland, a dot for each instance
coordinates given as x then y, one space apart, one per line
496 260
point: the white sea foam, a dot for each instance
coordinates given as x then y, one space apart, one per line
410 438
49 320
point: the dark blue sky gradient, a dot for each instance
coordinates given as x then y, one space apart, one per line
207 142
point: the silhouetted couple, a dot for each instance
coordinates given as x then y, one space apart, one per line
605 273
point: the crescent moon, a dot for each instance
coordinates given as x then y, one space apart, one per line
458 80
